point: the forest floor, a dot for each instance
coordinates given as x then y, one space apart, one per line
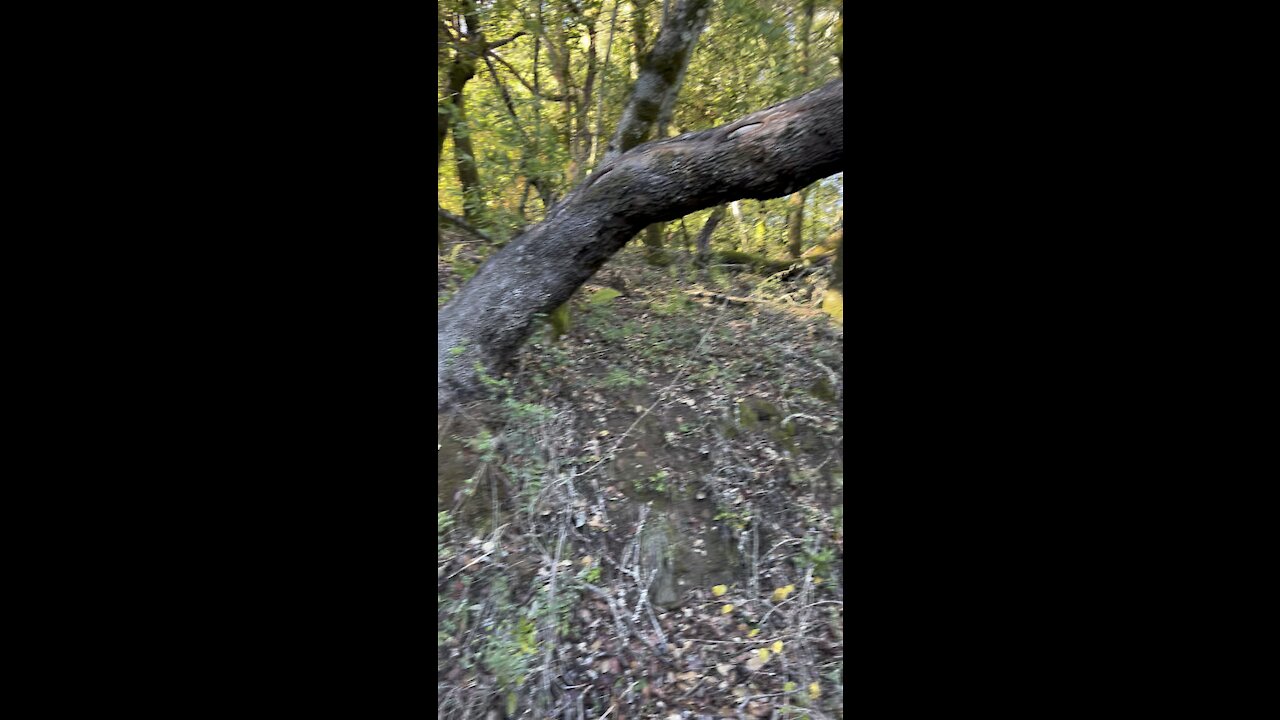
645 519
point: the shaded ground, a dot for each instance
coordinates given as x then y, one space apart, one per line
646 519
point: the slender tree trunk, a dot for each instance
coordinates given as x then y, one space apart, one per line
468 170
764 155
653 98
462 69
639 28
795 223
741 224
582 140
704 236
451 112
660 74
795 204
604 74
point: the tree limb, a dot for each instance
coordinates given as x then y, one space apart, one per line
500 43
555 97
461 224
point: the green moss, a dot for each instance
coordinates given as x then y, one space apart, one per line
560 321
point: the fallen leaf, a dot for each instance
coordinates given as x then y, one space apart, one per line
726 609
815 691
777 646
719 590
781 593
763 654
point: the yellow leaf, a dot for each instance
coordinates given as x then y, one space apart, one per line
726 609
753 633
764 654
815 692
781 593
817 580
788 686
719 590
777 646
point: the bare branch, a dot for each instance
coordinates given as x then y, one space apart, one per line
500 43
530 88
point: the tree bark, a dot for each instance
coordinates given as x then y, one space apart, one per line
660 75
468 170
764 155
795 209
462 69
652 100
795 223
581 147
704 236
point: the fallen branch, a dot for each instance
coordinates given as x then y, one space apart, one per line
461 224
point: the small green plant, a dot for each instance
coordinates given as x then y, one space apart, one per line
457 350
672 304
621 379
466 270
603 296
484 444
656 482
614 332
815 556
737 519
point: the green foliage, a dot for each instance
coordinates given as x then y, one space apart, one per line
603 296
672 303
620 379
560 321
465 269
656 482
484 444
816 555
736 519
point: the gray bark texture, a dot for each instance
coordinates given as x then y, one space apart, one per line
704 237
764 155
660 75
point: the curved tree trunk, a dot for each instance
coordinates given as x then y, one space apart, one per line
766 154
